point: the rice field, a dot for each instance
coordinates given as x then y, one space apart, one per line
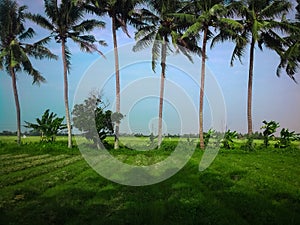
48 184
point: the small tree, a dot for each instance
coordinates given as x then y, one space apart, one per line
91 119
269 130
48 126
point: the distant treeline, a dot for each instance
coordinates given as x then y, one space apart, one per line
256 135
26 133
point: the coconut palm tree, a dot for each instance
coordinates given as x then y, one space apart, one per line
66 21
261 19
290 59
160 30
14 53
120 12
205 15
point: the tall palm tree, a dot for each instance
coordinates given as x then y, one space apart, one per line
120 12
203 15
260 20
14 53
162 28
66 21
290 59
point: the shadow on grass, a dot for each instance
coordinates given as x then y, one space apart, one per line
189 197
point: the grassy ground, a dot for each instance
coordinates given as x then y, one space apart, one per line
48 184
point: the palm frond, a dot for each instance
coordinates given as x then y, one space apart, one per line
193 30
275 9
41 21
156 50
88 25
68 57
43 41
145 41
86 43
27 34
51 8
38 51
28 68
239 49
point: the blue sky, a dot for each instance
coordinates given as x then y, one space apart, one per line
273 98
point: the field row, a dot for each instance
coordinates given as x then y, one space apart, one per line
37 178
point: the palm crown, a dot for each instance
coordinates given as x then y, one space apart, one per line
65 21
162 27
259 22
15 52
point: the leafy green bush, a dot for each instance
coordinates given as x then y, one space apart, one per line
91 118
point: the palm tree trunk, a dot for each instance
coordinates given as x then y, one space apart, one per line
116 145
18 111
201 136
250 83
66 93
162 88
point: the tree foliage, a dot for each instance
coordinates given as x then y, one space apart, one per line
290 57
91 118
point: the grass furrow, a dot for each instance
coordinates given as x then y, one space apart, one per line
23 159
20 176
36 186
26 165
12 156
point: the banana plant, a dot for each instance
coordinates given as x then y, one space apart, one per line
286 138
269 130
48 126
227 140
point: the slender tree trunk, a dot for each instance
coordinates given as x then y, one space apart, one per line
18 111
201 136
116 146
66 93
250 83
162 88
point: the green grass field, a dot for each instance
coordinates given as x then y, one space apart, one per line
48 184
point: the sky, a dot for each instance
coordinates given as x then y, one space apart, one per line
274 98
